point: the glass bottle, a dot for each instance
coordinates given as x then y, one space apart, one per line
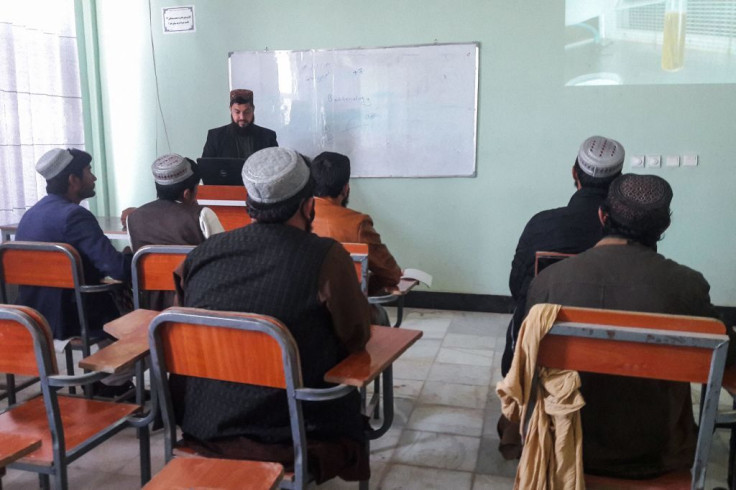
673 43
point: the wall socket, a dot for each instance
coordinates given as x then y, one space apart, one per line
690 160
653 161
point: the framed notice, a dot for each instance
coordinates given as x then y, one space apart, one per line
178 19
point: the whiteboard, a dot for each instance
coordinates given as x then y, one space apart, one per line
396 112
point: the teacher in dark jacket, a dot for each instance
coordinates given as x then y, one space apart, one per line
241 138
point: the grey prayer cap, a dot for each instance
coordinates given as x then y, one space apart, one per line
171 169
601 157
273 175
53 162
640 202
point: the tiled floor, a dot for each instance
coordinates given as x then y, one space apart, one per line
443 436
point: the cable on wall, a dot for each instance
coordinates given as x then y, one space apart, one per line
155 76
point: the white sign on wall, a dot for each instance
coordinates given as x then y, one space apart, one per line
178 19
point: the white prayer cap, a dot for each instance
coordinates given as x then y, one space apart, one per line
273 175
53 162
601 157
171 169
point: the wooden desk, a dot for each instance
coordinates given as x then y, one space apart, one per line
14 447
227 202
131 330
358 369
384 347
217 474
111 227
361 368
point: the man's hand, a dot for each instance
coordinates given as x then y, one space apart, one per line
124 216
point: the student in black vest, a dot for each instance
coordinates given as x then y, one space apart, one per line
276 267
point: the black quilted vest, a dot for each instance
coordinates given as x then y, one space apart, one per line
270 269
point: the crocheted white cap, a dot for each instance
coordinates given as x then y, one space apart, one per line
53 162
601 157
171 169
273 175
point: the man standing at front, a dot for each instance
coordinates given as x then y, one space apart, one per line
632 428
276 267
570 229
58 217
242 137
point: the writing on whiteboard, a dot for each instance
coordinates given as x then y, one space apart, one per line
355 98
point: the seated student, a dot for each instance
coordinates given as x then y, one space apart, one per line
174 218
570 229
331 174
276 267
632 428
58 217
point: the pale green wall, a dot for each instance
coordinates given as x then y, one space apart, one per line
462 230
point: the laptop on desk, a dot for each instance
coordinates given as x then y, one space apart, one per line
221 171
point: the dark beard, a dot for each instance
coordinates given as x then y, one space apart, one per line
244 131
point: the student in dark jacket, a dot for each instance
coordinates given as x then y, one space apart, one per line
569 229
632 427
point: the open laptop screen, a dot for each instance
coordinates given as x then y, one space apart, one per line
221 171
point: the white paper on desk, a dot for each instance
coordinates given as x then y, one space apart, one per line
417 275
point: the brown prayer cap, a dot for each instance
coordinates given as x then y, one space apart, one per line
242 93
640 202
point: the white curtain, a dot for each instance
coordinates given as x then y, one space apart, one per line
40 96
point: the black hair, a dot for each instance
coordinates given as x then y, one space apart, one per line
280 212
59 184
173 192
594 182
330 171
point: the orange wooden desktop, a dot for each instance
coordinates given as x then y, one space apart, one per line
384 347
227 202
131 330
358 369
14 447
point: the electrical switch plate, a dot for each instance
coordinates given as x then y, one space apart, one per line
672 160
690 160
653 161
636 161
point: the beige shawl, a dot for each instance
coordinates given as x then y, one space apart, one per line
553 450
